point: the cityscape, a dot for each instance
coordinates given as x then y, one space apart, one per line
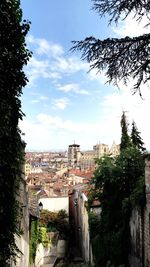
70 73
56 180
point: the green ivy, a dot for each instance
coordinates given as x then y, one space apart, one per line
55 221
38 234
13 56
48 222
43 237
33 240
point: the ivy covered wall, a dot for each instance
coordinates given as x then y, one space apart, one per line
13 56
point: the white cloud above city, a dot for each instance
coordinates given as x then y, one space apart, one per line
73 87
64 110
60 103
53 64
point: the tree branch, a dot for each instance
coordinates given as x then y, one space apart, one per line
119 8
122 59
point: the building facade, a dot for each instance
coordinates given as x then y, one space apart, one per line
86 159
74 154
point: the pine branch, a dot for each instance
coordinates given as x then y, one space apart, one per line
118 8
122 59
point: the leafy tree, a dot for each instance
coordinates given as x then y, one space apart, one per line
13 56
109 243
136 138
55 222
47 216
122 58
119 186
125 139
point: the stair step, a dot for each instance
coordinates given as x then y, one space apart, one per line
46 265
51 262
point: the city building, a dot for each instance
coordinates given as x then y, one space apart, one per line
86 159
74 154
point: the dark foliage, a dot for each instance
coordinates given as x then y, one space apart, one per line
54 221
117 8
13 56
125 139
119 186
33 240
136 138
123 58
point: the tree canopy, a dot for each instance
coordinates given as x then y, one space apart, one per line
136 138
13 56
125 139
125 58
119 186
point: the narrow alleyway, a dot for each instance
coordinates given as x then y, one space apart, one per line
73 257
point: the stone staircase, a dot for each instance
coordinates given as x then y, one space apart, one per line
50 263
50 260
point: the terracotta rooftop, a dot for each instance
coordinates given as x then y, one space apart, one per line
85 174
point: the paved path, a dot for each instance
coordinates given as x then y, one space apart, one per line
51 262
47 265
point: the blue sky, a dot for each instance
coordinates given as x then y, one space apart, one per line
63 102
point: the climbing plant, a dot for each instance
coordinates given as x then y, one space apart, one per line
13 56
43 236
48 222
34 236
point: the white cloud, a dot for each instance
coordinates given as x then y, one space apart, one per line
48 120
34 101
50 61
60 103
57 122
57 132
52 132
131 27
43 97
51 50
36 136
95 75
38 98
136 109
44 47
35 69
74 88
70 65
49 131
55 75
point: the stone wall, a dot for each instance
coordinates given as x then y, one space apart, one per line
22 241
147 213
42 255
140 227
135 257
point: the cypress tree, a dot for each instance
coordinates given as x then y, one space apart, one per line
125 139
119 185
136 138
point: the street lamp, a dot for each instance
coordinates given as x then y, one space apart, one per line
40 206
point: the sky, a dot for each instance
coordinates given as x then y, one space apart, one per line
64 102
